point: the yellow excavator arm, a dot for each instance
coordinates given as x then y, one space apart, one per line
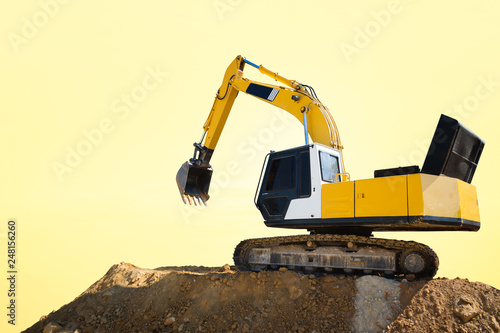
300 100
296 99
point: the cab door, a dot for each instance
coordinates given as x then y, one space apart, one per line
287 177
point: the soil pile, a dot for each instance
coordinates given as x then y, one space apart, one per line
451 306
200 299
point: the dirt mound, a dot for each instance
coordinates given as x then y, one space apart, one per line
204 299
451 306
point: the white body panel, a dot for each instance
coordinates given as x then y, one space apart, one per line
307 208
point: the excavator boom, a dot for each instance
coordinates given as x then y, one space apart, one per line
193 178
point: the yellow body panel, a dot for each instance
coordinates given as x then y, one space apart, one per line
469 208
385 196
406 195
337 200
415 197
440 196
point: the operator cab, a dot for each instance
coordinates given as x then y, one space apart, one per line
290 186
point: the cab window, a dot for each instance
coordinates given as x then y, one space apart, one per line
305 175
329 167
282 174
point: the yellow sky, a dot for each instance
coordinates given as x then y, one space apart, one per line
101 101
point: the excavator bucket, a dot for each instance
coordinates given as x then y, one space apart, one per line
193 182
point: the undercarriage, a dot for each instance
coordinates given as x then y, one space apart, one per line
346 254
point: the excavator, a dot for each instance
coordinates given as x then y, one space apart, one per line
308 187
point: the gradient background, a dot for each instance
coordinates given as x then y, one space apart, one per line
68 66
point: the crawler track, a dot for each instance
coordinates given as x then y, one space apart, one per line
338 254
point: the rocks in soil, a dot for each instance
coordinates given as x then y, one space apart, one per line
203 299
466 307
457 305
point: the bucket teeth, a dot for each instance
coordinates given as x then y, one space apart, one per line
201 201
193 200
